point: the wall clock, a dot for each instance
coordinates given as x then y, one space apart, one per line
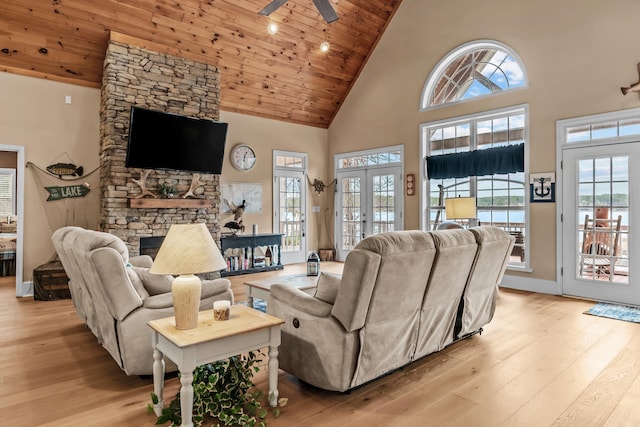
243 157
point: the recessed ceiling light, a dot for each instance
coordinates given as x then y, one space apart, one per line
324 47
272 28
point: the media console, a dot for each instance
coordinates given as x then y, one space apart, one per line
242 258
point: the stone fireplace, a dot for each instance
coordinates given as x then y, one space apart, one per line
148 78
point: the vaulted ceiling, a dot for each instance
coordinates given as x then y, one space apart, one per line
283 76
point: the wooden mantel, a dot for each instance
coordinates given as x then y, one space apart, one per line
170 203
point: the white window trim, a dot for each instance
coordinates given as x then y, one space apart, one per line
424 183
441 66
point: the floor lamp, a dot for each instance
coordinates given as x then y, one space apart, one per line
186 250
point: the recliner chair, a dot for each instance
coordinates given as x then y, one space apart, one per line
116 296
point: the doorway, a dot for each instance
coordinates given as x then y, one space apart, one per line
369 196
599 240
289 204
12 225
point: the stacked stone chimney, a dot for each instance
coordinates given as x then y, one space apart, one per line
157 81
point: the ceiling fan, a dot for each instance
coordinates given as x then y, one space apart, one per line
323 6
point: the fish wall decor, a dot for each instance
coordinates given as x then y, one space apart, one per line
65 169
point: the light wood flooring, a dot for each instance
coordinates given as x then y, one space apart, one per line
540 362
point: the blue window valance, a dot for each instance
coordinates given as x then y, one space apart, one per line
498 160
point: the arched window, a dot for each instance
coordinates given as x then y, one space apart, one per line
475 69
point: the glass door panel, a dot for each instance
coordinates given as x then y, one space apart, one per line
290 214
599 217
369 201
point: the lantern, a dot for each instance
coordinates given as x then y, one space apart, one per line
313 265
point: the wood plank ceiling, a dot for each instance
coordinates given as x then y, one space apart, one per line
282 76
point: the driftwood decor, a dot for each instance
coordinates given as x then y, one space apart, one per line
634 87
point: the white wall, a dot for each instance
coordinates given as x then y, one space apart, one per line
577 54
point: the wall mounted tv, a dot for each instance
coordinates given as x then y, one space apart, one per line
159 140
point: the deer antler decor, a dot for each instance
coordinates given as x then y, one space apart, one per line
635 87
142 183
195 183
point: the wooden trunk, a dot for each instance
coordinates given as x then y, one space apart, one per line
50 282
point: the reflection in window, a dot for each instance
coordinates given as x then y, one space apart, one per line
381 158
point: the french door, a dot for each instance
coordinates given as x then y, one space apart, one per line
368 201
599 222
289 211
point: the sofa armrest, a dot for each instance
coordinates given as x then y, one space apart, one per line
214 287
158 301
210 288
141 261
300 300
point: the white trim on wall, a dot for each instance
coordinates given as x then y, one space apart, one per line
521 283
22 289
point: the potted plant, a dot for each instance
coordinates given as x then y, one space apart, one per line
223 394
168 190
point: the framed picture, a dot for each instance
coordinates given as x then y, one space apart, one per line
236 192
542 187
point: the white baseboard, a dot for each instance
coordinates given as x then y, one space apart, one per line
531 285
26 289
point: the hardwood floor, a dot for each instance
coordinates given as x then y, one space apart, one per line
540 362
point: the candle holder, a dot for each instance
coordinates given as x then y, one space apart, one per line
221 310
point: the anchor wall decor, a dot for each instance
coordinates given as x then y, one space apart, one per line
542 187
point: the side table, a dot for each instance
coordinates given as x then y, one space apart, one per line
246 330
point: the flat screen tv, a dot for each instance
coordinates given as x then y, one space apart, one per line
159 140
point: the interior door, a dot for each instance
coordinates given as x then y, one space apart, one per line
290 215
369 201
599 216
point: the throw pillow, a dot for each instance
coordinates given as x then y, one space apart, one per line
155 284
136 282
328 285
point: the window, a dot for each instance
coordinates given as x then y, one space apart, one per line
7 192
383 157
500 198
475 69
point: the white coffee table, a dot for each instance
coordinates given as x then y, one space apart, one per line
262 288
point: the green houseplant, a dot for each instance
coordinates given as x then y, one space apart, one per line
224 394
167 190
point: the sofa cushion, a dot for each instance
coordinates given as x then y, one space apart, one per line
328 285
136 282
155 284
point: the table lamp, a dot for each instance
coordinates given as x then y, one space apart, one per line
186 250
457 208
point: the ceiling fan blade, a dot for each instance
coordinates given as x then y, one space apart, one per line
271 7
326 10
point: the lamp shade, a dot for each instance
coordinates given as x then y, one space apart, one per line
188 249
460 207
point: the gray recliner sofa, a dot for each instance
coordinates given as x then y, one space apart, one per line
402 296
116 296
